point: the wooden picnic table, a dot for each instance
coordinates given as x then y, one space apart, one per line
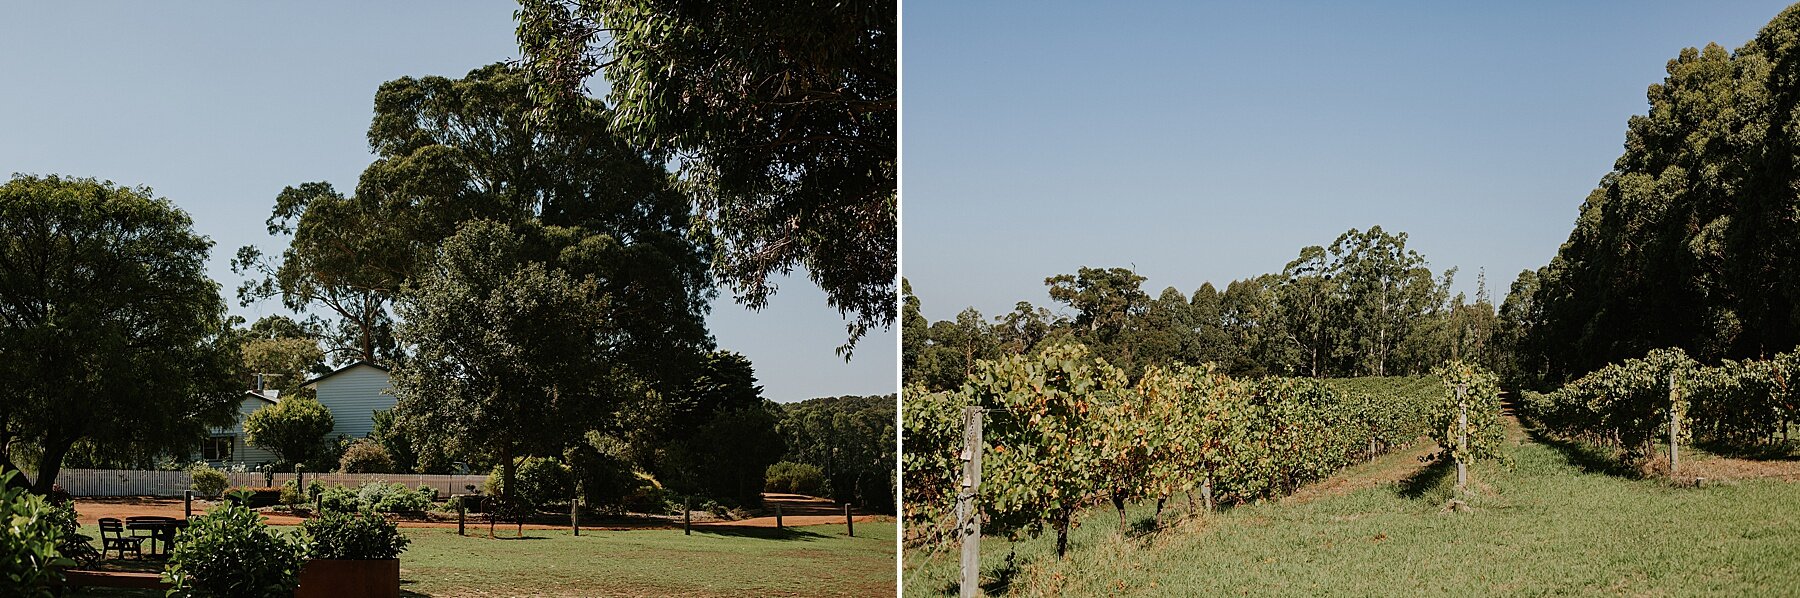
162 529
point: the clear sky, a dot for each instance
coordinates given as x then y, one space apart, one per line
218 105
1211 141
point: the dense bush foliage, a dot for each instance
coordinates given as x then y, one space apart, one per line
230 553
1736 404
1475 392
377 496
208 481
1624 405
794 478
1690 241
541 482
1064 429
365 456
348 536
28 554
851 440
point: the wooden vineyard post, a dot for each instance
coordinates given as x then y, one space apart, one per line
575 514
968 514
777 516
687 516
849 524
1206 492
1674 426
462 511
187 504
1462 436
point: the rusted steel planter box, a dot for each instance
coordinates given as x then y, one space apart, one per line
349 579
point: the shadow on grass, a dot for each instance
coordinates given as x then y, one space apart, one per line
1415 486
1778 451
762 533
1586 457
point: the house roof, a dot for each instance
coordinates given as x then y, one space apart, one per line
342 370
260 395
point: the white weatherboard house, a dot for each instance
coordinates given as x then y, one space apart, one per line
352 393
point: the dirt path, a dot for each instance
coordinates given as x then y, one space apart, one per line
1390 468
796 511
1397 466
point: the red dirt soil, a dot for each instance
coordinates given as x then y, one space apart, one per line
797 510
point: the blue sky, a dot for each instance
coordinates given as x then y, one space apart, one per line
217 106
1210 142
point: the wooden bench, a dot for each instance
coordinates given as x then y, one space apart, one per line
80 578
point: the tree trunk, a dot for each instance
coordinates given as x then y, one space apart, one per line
50 464
509 471
1061 523
1118 500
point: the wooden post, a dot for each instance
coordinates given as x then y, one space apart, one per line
687 516
187 504
1462 436
777 516
849 523
461 515
968 514
491 506
575 513
1674 426
1206 492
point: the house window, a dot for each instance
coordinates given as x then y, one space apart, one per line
217 448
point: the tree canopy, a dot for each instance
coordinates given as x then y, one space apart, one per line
1690 241
111 334
293 428
783 116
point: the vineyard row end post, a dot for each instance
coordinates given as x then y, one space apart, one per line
1462 436
968 514
1674 426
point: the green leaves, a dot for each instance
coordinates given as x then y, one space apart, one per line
1475 392
230 553
784 116
30 528
294 427
115 336
365 535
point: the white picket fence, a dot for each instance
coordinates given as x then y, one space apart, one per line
125 482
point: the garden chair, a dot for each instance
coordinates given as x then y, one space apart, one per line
113 537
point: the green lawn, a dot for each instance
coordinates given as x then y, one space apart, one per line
1559 522
808 561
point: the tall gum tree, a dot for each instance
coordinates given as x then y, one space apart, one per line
111 334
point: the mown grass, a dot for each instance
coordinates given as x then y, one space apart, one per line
797 562
1555 523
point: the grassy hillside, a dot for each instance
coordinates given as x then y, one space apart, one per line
1560 521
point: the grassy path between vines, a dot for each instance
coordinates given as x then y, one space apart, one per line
1560 521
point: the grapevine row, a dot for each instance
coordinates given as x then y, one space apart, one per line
1065 431
1629 405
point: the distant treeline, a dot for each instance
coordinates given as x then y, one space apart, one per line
1365 305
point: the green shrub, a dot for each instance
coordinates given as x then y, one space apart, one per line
366 456
208 482
291 495
795 478
229 553
364 536
339 498
651 499
28 555
542 481
378 496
